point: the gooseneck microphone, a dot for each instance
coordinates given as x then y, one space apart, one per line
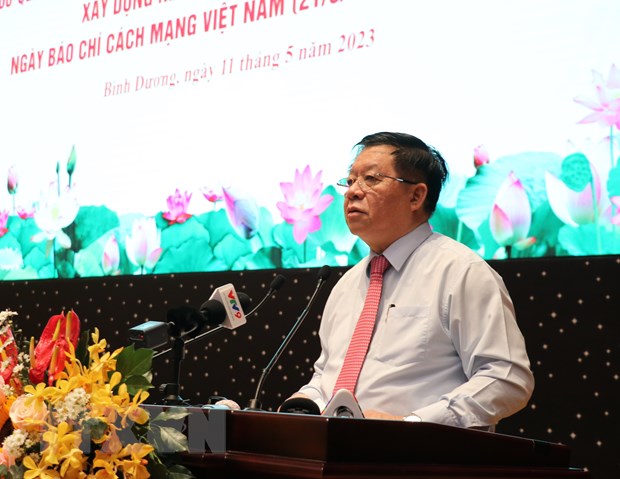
254 404
275 285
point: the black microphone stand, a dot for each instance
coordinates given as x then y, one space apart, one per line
254 404
171 390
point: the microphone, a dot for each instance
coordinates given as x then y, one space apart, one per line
185 320
212 307
275 285
323 274
233 307
224 308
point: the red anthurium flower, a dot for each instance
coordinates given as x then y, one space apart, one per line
49 353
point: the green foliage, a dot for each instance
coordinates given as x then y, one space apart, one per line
135 368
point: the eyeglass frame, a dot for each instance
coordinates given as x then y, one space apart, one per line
344 182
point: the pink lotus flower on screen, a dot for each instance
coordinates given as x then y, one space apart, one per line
177 207
303 203
111 257
481 156
54 212
511 216
25 213
4 219
606 105
242 213
211 195
12 181
573 207
143 246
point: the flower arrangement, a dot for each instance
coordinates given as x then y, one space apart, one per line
69 408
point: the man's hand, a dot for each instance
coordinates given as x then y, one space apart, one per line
372 414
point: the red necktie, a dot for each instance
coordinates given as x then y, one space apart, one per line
356 353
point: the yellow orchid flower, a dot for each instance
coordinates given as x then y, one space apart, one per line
40 391
61 440
72 464
134 412
135 467
34 470
106 465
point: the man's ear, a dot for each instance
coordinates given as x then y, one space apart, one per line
418 195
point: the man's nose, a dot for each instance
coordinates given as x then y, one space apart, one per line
355 190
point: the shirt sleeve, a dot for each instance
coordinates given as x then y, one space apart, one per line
479 317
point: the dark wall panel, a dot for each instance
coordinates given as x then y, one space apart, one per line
568 310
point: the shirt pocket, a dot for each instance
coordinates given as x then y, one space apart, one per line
402 336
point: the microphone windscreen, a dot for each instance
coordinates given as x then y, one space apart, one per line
245 300
277 283
300 405
324 273
184 320
213 312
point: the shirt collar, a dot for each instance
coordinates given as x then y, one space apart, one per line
398 252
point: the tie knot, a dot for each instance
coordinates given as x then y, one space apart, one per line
379 264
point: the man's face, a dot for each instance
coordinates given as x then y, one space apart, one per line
381 212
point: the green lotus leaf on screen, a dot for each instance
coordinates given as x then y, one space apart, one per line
451 190
9 240
230 249
22 231
91 223
25 273
613 181
178 233
545 228
475 202
186 248
265 258
583 240
265 226
64 263
219 227
37 259
445 221
282 235
216 223
88 261
576 172
334 228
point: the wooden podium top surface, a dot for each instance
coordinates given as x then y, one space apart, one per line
258 445
346 439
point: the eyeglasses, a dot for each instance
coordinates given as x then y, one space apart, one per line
370 181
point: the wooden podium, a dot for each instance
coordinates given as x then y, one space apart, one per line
275 445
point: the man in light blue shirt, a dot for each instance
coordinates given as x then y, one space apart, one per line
446 347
